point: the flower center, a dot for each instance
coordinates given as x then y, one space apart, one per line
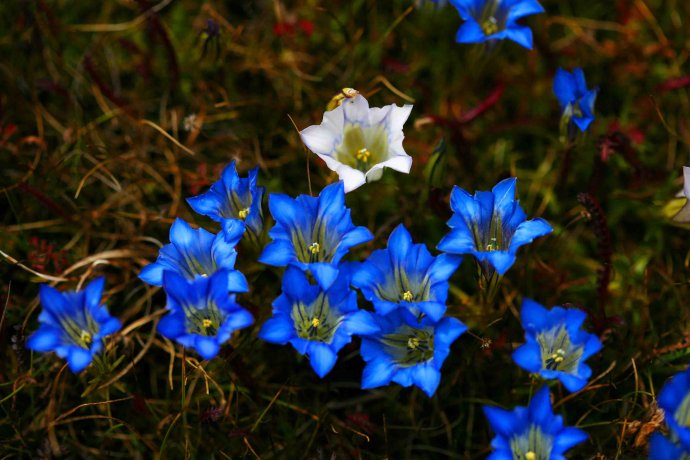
490 26
363 155
532 445
408 346
207 323
243 213
86 338
314 248
316 321
558 353
362 146
407 296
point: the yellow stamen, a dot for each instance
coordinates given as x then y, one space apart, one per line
413 343
530 456
363 155
207 323
492 246
490 26
244 213
315 322
407 296
86 337
315 247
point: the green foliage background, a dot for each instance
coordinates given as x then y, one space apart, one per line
112 113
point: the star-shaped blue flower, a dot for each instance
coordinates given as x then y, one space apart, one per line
201 314
488 20
233 197
531 433
317 323
556 347
576 101
408 354
674 400
198 253
406 276
312 233
73 324
491 226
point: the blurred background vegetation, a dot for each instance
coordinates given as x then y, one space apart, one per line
112 113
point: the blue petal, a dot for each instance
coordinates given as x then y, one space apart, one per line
239 319
427 378
94 292
172 325
324 274
568 438
533 316
233 229
433 310
322 358
571 382
662 448
207 204
288 213
528 357
524 8
458 241
582 122
504 193
207 347
53 300
353 238
78 359
46 338
522 35
182 234
470 32
564 87
377 373
278 329
177 287
110 326
503 422
152 274
236 281
500 260
528 231
361 323
443 267
464 204
399 244
540 407
278 253
448 330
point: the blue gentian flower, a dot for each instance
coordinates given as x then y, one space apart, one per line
577 102
663 448
73 324
491 226
488 20
198 253
531 433
674 400
408 354
317 323
312 233
406 276
556 347
233 197
201 314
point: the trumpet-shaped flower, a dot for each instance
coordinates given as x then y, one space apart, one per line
232 197
531 433
577 102
489 20
406 276
674 400
556 347
201 314
357 142
73 324
408 354
312 233
491 226
683 215
198 253
316 322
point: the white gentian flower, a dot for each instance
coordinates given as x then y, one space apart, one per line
683 215
357 142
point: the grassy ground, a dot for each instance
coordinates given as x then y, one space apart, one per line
111 116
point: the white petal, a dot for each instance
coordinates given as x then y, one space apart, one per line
352 178
375 173
377 115
686 178
398 117
356 110
318 139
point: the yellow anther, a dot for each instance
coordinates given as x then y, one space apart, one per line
244 213
492 246
530 456
314 248
490 26
413 343
207 323
363 154
315 322
407 296
86 337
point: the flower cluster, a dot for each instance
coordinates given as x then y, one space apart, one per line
197 269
